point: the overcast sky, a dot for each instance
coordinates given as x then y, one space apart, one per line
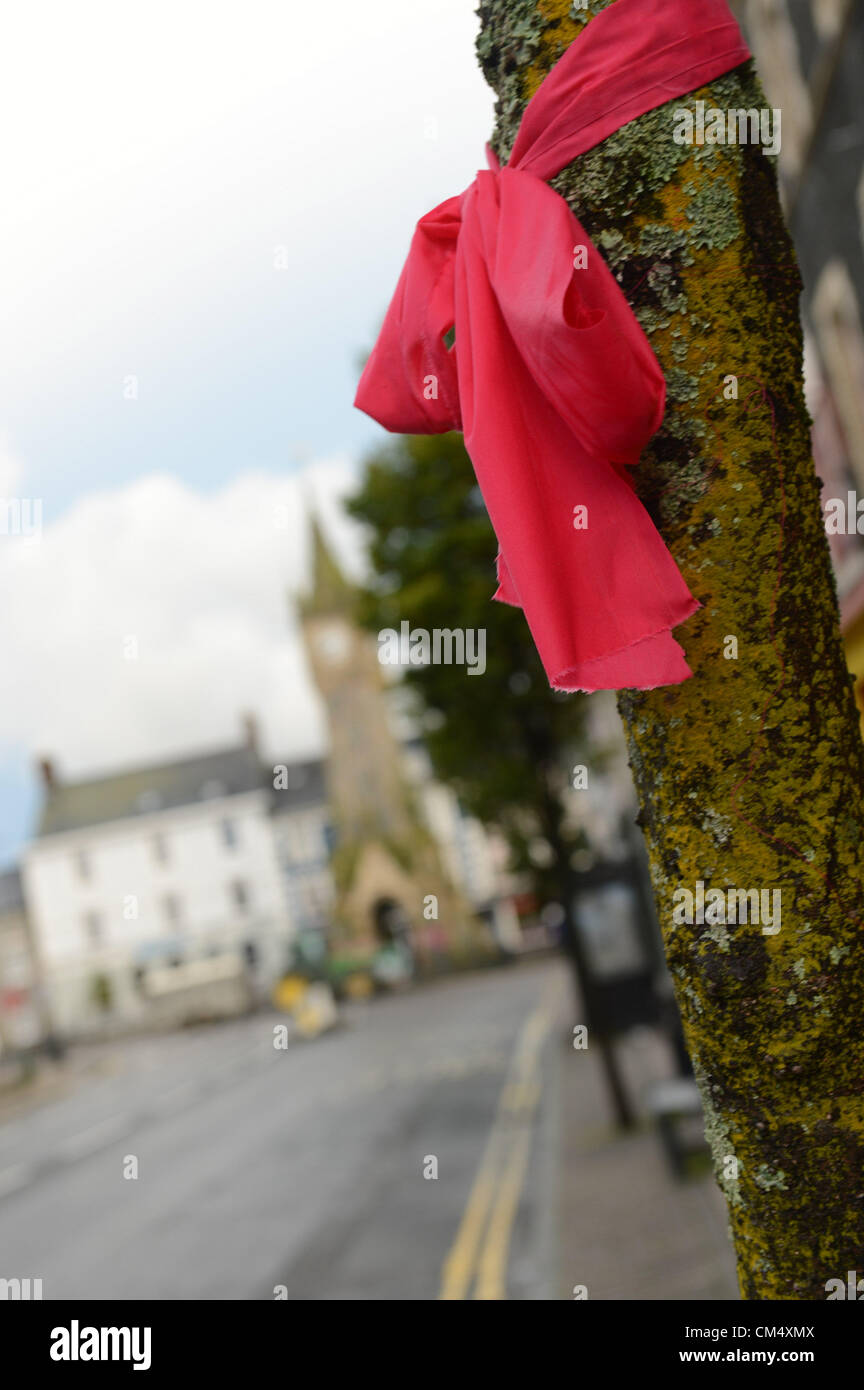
205 210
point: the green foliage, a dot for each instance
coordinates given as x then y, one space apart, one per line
102 991
503 740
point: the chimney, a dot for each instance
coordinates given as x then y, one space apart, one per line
48 774
250 731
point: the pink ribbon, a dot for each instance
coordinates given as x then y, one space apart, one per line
551 378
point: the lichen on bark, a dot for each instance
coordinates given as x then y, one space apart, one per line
750 775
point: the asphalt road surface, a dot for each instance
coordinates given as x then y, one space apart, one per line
300 1173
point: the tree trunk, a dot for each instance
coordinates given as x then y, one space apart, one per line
749 775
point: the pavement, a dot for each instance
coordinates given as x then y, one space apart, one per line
629 1230
443 1143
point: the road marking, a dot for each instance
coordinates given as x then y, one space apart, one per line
459 1265
494 1197
492 1264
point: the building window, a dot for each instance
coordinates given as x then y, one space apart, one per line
82 865
93 928
229 834
171 908
160 849
240 895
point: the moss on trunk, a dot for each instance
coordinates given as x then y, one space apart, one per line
749 775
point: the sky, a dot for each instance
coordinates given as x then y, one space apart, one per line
205 209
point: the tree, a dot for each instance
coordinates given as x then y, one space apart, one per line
750 775
499 738
505 741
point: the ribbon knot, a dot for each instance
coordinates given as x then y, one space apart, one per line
550 377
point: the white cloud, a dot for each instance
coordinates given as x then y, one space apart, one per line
162 153
199 586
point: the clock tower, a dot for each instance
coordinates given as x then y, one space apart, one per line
386 866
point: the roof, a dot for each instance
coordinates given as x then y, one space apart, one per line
143 790
165 786
306 785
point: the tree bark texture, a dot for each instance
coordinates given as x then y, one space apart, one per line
750 775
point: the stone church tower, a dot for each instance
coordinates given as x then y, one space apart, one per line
386 865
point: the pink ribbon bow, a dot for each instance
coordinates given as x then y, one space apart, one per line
550 377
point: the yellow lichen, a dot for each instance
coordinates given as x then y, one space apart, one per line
766 745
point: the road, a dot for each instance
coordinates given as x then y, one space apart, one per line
300 1173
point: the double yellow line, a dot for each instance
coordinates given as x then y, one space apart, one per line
480 1251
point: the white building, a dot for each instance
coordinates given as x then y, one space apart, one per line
302 836
212 855
475 858
21 999
149 867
